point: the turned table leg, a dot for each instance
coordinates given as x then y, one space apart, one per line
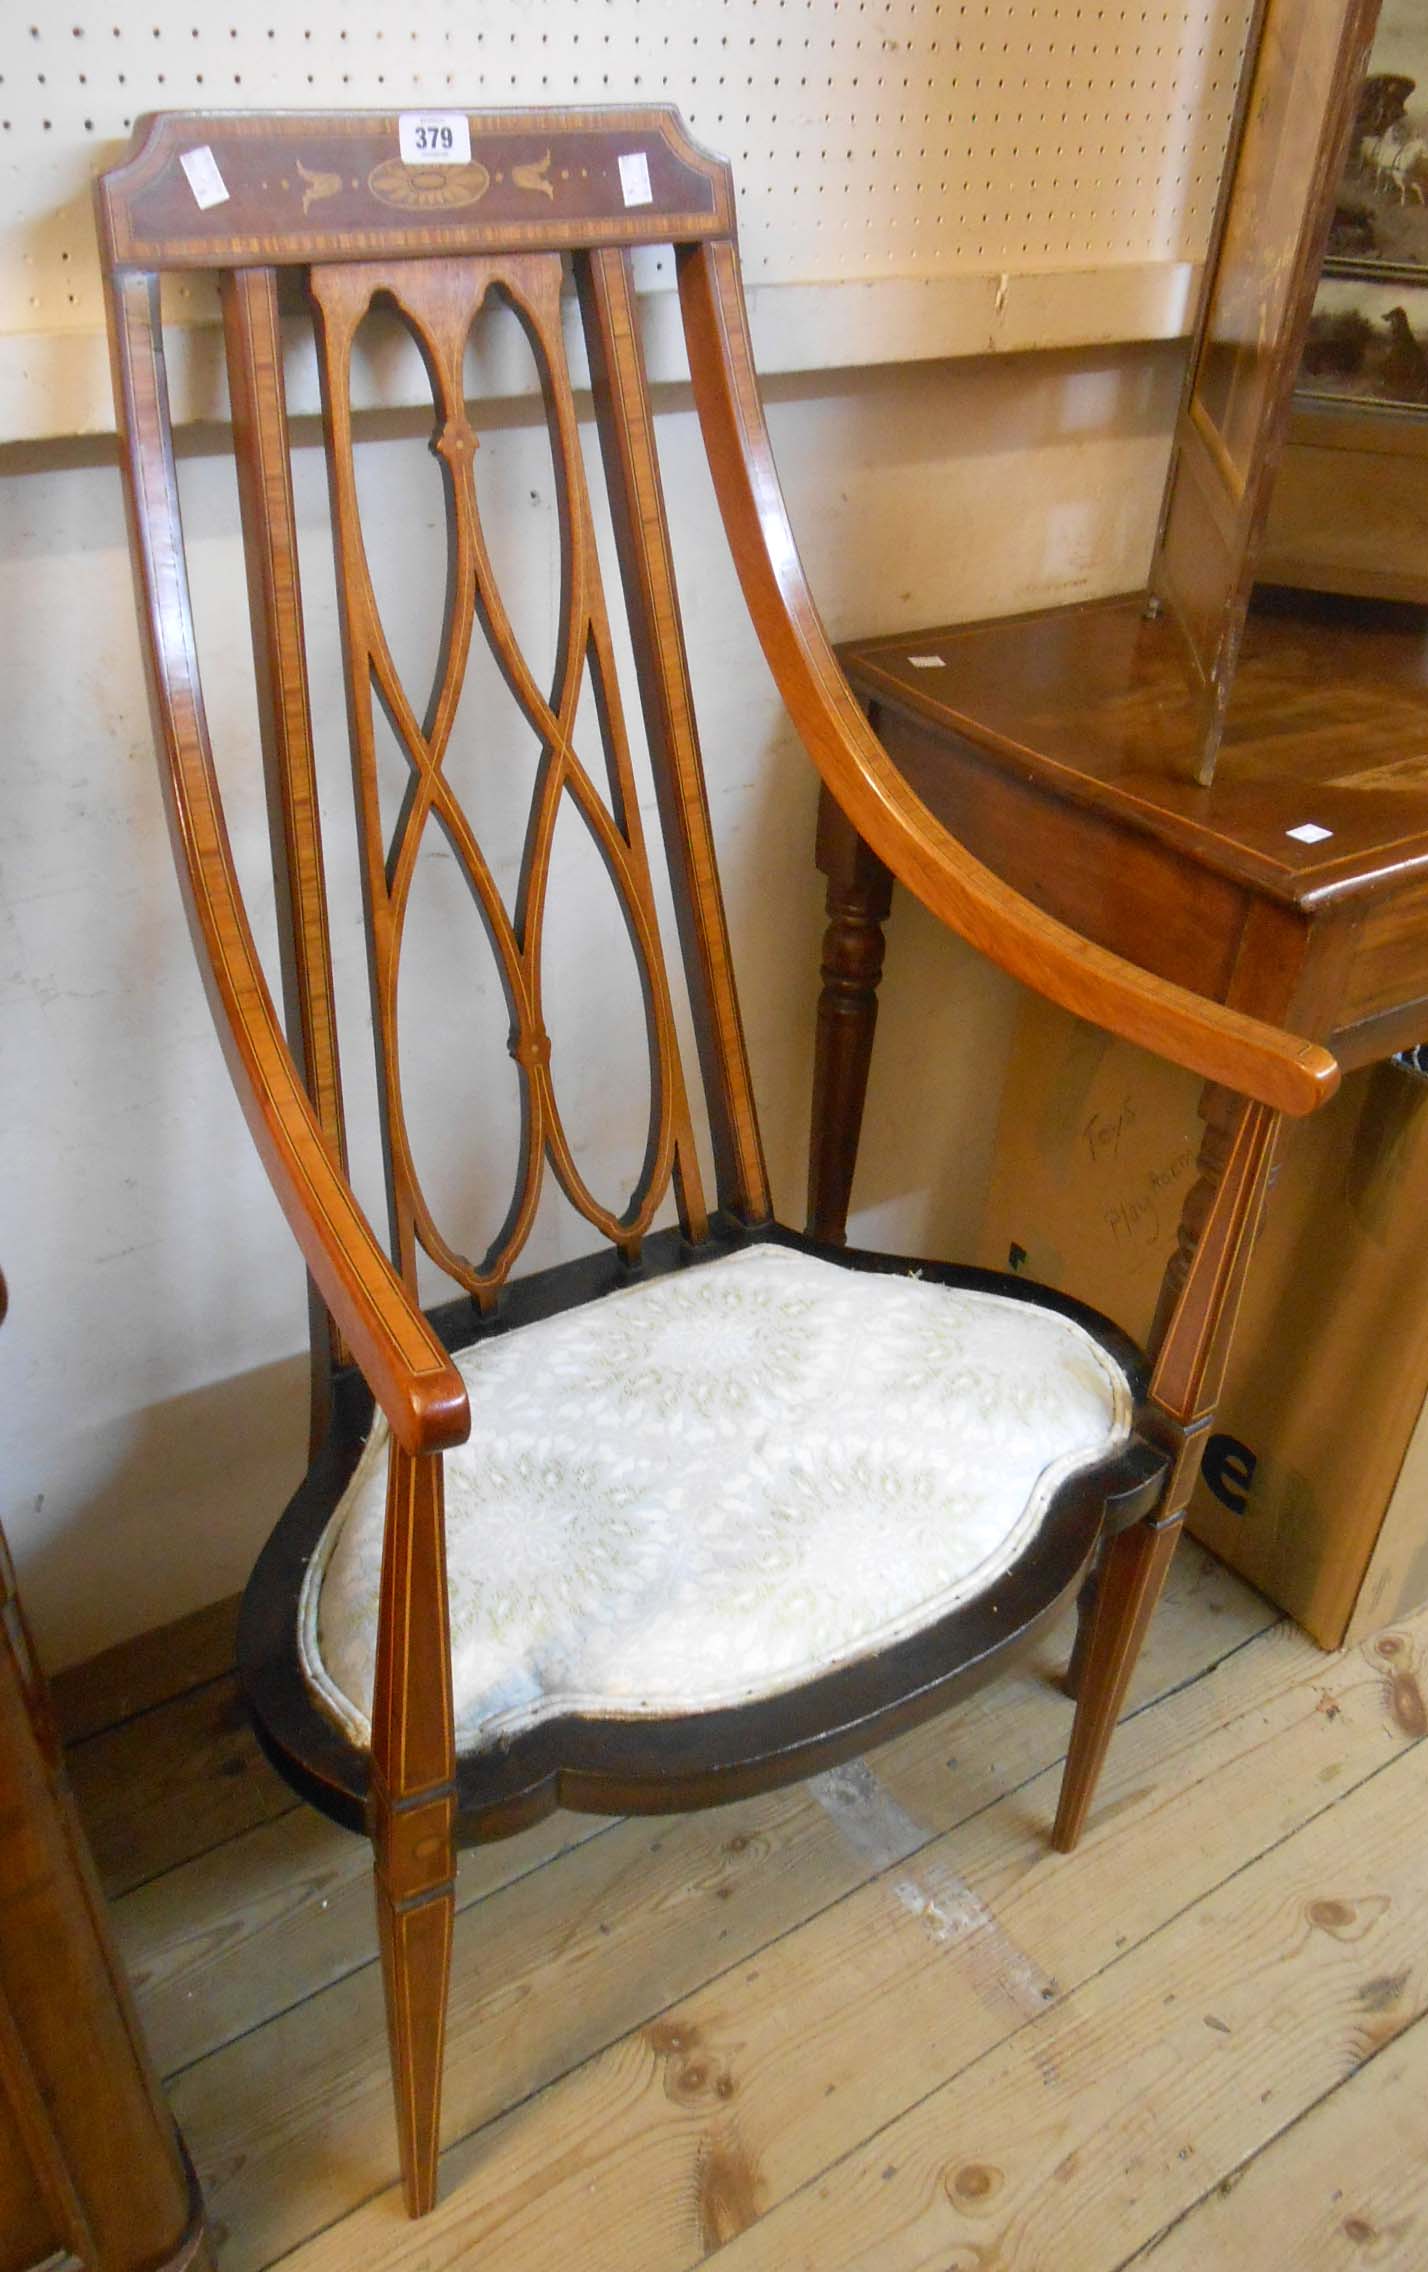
859 896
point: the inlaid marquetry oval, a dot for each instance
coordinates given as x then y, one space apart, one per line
428 189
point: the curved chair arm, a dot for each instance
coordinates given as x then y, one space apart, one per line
1242 1053
407 1369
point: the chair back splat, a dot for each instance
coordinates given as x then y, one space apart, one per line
326 195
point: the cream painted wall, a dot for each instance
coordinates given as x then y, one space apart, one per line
151 1387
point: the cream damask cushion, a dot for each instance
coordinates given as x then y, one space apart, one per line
712 1487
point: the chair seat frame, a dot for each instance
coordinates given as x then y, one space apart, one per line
666 1765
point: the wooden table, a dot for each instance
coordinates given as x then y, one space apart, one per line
1057 747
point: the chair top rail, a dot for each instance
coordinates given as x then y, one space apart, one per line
236 189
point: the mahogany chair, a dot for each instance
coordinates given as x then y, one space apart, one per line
730 1507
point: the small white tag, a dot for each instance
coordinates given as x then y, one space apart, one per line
434 138
927 662
204 179
635 178
1309 832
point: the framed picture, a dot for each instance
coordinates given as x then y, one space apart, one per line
1349 509
1367 343
1380 225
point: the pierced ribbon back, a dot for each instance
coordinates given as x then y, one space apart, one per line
440 299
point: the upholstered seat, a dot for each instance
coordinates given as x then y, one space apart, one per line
714 1487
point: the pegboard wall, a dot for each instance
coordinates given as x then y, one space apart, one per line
873 141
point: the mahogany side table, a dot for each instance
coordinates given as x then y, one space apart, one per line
1294 886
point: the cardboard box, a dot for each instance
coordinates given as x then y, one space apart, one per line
1315 1481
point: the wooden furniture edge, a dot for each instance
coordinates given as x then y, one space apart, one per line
1331 422
89 2135
1292 1074
1121 803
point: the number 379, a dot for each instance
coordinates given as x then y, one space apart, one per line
430 135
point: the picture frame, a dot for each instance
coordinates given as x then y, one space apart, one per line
1380 225
1367 342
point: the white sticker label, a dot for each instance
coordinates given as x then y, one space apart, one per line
927 662
204 179
1309 832
635 178
434 138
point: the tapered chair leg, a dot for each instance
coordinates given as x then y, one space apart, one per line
1222 1215
1129 1583
411 1807
416 1971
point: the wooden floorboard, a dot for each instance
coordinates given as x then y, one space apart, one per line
553 1971
773 2102
1343 2189
1072 2145
282 1908
261 1922
137 1675
735 2032
171 1783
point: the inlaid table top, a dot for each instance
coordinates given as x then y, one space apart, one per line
1321 786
